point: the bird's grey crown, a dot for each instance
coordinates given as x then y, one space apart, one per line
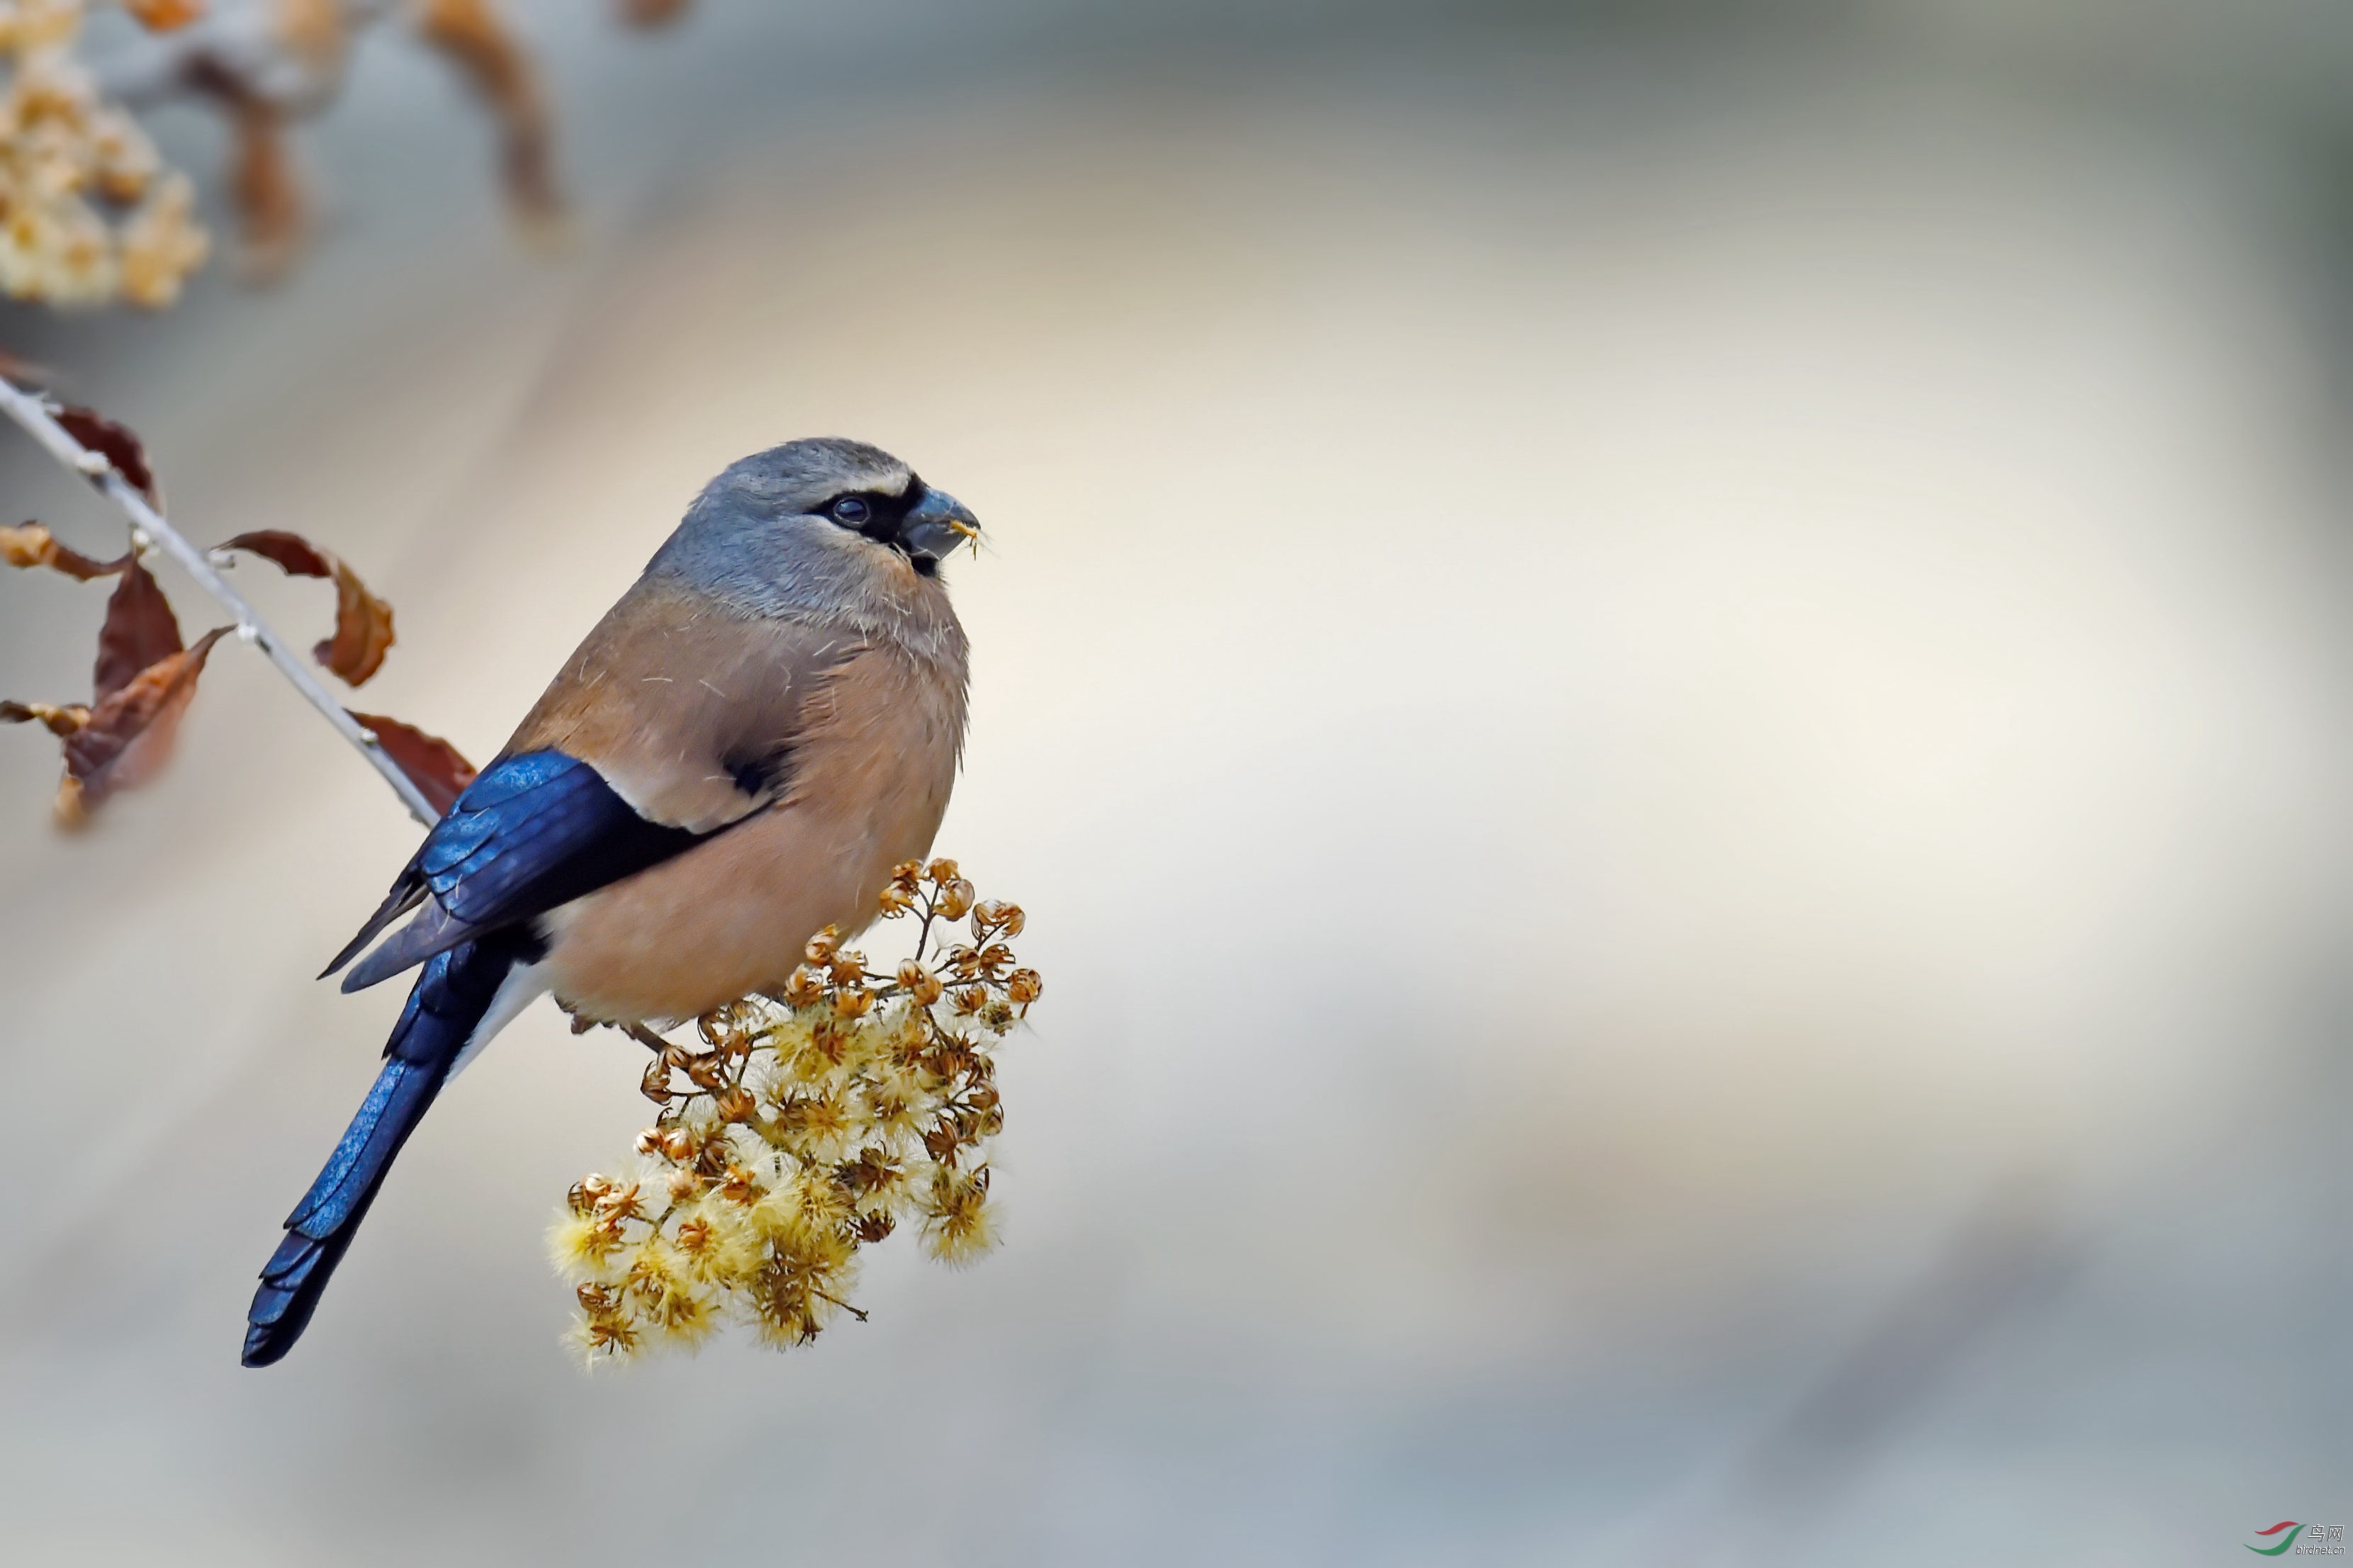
756 539
803 476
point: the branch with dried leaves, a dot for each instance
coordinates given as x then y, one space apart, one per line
145 675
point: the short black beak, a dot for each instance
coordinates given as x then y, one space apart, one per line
935 525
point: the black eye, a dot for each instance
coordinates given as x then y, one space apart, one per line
851 510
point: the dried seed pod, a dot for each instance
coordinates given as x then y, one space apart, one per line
920 983
870 1173
996 915
862 1118
654 1086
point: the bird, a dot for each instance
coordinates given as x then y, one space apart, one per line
767 723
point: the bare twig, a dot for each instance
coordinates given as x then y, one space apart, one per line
149 529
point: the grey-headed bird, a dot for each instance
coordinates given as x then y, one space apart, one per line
766 724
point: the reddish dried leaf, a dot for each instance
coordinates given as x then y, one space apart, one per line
61 720
362 630
470 34
294 555
164 15
437 767
30 544
118 446
141 630
362 622
128 736
651 13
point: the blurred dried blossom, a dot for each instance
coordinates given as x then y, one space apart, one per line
806 1127
89 212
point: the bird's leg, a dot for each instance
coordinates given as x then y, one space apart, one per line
581 1024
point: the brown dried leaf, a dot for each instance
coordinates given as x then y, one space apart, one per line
470 34
118 446
30 544
364 632
294 555
437 767
274 217
652 13
61 720
272 214
128 736
140 631
164 15
24 371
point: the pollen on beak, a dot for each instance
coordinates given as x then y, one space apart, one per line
935 525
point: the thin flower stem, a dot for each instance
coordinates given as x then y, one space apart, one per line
148 527
838 1302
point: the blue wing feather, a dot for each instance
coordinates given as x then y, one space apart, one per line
531 833
448 1004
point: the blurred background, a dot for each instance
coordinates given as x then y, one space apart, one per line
1668 683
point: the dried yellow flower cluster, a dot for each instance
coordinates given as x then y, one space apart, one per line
808 1126
88 212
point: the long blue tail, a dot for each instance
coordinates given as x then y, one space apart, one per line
450 998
